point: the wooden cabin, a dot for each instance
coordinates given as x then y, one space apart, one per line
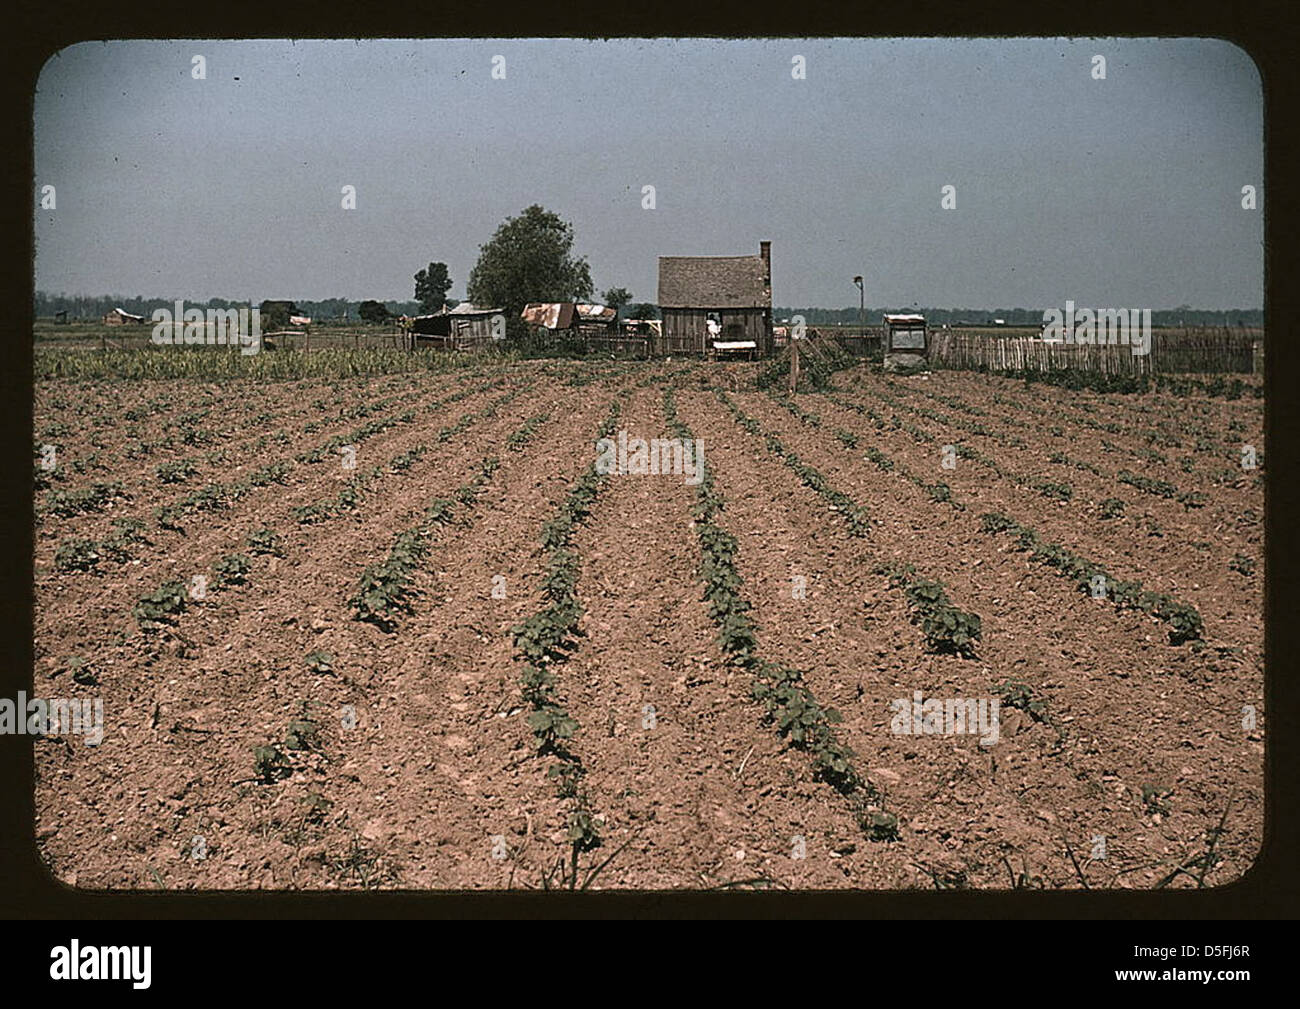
713 304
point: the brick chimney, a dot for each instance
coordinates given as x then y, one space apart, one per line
765 254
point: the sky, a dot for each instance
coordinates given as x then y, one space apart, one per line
1116 192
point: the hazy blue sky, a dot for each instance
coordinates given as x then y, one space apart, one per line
1113 193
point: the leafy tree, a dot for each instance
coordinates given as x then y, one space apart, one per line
642 310
530 258
372 311
274 315
616 298
431 287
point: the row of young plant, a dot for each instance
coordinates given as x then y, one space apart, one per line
81 501
1225 449
83 554
193 433
218 496
1198 418
1162 488
879 422
938 491
845 437
385 591
1063 491
349 498
855 516
545 640
150 362
1184 619
955 403
165 604
947 629
214 497
788 704
1047 488
1078 379
330 447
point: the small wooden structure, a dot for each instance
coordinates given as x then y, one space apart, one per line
465 327
121 317
588 328
710 301
907 342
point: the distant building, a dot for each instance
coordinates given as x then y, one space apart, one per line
559 316
731 295
906 341
121 317
465 327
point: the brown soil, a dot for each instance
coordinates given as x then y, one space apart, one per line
424 773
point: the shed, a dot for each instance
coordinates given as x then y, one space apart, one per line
716 299
552 315
120 317
465 327
906 341
595 319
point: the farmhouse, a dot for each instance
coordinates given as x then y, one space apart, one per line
716 303
119 317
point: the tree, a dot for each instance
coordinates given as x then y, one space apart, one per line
372 311
641 310
530 258
274 315
431 287
616 298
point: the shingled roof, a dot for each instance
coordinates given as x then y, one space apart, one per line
713 282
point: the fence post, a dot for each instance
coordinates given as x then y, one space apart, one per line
794 366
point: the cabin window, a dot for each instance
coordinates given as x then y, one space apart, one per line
907 339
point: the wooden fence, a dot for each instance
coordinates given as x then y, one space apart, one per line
1195 351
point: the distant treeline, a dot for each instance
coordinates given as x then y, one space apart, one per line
86 307
1023 316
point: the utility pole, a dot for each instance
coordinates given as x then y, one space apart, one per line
862 308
